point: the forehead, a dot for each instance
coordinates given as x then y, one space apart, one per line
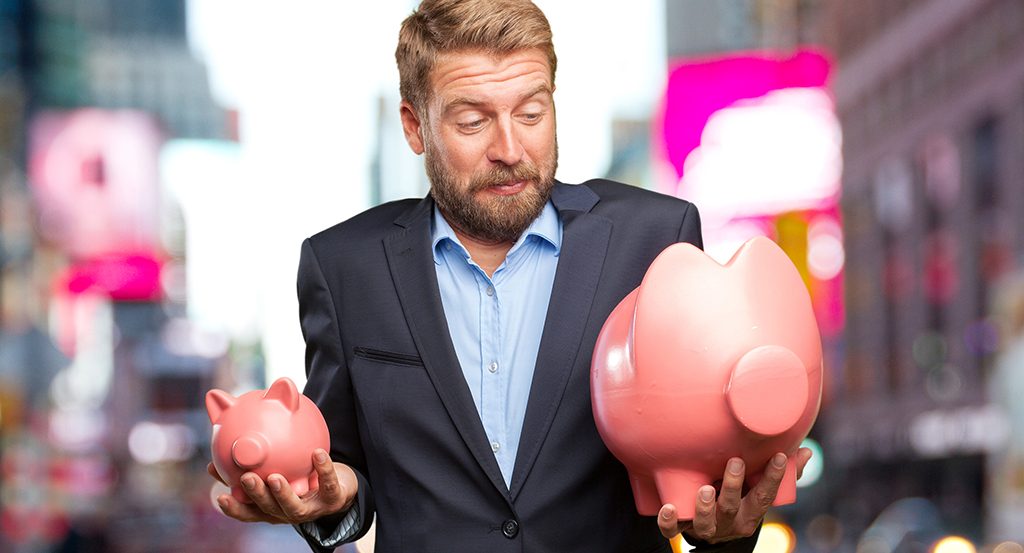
482 74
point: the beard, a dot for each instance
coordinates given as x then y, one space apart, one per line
491 218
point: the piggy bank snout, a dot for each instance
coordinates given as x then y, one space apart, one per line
250 450
768 390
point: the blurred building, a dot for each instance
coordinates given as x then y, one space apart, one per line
698 27
123 54
931 98
101 376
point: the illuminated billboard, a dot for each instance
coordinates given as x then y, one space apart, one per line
753 140
93 175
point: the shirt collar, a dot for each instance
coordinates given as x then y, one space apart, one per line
545 227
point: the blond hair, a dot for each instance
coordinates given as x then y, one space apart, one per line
495 27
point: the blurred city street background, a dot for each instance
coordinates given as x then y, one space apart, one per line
161 161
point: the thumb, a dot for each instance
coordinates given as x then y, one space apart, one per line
668 521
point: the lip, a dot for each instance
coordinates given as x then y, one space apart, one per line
507 189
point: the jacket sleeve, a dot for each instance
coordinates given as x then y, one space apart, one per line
689 230
329 386
742 545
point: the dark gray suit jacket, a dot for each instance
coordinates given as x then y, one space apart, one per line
382 368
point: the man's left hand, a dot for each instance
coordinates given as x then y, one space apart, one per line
733 515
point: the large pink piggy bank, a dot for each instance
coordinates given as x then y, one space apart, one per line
703 362
266 432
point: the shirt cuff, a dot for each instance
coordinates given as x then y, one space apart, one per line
343 532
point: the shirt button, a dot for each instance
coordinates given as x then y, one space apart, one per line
448 246
510 528
495 446
493 367
490 290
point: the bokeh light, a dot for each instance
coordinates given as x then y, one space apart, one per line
824 533
1008 547
981 337
825 254
944 383
776 537
954 544
929 350
150 442
815 467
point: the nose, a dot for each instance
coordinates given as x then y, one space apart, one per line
250 451
769 390
505 146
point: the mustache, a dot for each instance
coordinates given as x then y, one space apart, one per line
522 171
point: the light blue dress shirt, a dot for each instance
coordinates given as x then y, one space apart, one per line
496 323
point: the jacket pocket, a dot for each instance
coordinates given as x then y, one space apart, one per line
388 357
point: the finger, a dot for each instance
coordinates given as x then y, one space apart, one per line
761 496
803 455
243 512
705 520
732 491
291 505
212 470
260 494
329 486
668 521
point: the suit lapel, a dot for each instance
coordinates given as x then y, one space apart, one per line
412 268
584 246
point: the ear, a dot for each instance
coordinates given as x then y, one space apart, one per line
284 390
412 126
216 403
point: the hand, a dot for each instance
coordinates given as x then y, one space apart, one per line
732 516
275 502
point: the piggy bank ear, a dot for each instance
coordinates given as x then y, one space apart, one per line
284 390
216 403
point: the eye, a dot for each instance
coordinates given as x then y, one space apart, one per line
531 118
474 125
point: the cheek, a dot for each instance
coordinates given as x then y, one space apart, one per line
465 156
541 143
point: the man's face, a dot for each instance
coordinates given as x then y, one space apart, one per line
489 141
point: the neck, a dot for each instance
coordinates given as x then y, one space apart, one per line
488 255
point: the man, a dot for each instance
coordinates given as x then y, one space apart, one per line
449 338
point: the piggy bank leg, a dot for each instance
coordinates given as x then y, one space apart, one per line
645 493
787 488
679 487
238 493
300 486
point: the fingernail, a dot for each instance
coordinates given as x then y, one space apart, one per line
222 502
249 482
666 514
736 467
321 457
707 494
275 484
779 460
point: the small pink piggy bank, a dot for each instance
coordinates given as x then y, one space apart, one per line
703 362
266 432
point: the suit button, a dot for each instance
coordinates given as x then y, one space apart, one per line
510 528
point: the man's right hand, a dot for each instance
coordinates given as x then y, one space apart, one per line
275 502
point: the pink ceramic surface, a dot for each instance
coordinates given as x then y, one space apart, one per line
703 362
266 432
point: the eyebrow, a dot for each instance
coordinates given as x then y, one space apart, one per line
468 101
